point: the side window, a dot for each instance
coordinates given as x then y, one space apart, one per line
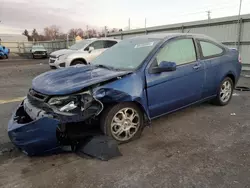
97 44
210 49
109 43
180 51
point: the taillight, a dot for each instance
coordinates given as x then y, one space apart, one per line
239 58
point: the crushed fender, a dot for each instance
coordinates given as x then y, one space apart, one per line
100 147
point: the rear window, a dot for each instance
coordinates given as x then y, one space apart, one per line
209 49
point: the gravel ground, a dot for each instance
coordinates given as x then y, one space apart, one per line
201 146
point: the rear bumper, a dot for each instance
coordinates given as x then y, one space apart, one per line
33 137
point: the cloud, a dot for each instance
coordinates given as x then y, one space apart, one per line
27 14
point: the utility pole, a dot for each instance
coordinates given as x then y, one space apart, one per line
67 43
129 24
87 31
105 31
238 27
208 15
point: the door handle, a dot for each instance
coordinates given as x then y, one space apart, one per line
197 66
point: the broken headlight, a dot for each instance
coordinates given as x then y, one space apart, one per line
72 103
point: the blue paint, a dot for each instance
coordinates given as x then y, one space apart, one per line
36 137
4 51
72 79
156 94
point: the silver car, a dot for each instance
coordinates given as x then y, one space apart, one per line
82 52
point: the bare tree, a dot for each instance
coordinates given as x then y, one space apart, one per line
35 35
52 32
114 30
76 32
26 33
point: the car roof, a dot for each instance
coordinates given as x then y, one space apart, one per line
165 36
105 38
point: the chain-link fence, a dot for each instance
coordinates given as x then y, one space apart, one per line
23 48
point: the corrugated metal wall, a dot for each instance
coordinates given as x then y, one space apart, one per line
226 30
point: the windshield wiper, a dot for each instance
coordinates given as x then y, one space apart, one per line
106 67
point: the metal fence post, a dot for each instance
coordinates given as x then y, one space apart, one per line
52 46
239 33
18 44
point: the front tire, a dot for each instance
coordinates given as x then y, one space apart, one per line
123 122
225 92
77 62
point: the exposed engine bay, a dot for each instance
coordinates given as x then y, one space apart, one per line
75 113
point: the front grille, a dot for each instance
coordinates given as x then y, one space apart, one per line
38 95
37 99
39 52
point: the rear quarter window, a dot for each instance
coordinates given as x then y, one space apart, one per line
210 49
109 43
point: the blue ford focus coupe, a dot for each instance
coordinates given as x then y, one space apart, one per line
123 89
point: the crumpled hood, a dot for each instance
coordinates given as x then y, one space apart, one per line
62 52
72 79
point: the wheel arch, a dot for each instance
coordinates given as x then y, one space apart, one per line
137 103
78 59
231 75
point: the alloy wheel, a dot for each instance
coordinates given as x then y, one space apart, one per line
125 124
225 91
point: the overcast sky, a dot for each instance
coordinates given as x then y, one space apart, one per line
17 15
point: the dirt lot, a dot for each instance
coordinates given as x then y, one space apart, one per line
202 146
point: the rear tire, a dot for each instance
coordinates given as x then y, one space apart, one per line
224 93
123 122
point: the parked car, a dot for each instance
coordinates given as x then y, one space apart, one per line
38 51
135 81
80 53
4 52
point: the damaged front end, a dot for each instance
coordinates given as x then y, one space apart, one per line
39 125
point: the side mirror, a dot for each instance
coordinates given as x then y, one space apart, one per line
91 49
164 66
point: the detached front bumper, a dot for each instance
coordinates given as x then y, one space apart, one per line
33 137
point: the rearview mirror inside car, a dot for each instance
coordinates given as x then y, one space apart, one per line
164 66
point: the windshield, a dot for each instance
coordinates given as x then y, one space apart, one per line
127 54
80 45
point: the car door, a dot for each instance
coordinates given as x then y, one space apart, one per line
169 91
98 49
211 54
